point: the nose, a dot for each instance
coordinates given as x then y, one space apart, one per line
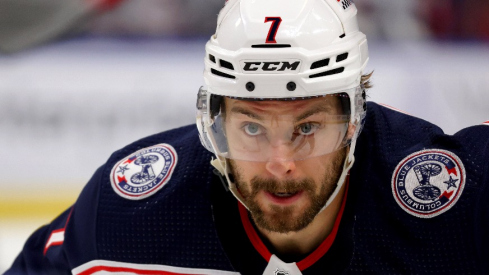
280 168
281 164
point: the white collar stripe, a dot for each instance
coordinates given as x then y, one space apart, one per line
110 267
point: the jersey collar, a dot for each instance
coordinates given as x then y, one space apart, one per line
317 254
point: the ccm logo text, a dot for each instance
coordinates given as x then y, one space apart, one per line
271 66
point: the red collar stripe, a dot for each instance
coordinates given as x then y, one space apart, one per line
326 244
252 235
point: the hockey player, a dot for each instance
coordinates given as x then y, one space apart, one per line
281 117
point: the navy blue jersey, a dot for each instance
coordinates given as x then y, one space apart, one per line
416 202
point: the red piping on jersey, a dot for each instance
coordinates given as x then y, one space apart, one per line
311 258
61 230
113 269
395 109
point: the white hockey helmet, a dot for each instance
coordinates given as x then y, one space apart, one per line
282 50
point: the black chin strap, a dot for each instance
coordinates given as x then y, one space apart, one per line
223 180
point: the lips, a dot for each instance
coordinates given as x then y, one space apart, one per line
284 195
283 198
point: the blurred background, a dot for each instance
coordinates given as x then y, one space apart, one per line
80 79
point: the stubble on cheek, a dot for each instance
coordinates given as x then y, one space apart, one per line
284 219
275 218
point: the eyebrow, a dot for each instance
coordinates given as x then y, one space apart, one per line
308 113
313 111
243 111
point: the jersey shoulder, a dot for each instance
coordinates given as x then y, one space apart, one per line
386 123
476 134
153 204
394 135
411 181
143 168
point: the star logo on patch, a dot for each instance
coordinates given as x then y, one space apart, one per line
451 182
122 169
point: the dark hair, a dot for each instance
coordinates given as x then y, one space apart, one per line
365 81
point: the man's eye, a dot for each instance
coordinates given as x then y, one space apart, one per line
307 129
252 129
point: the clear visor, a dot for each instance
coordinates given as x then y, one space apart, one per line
264 130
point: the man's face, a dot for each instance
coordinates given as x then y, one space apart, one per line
284 193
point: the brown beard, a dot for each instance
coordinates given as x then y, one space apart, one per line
280 220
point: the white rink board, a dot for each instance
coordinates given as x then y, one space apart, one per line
65 107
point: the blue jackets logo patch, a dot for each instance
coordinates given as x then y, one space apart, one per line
144 172
428 183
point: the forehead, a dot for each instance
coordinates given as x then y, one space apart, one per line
329 104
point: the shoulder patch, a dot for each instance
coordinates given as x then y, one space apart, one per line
143 173
428 183
486 123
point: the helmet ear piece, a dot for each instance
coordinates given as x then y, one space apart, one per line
204 139
216 102
202 117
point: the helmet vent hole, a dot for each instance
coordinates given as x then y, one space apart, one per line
226 64
250 86
291 86
330 72
221 74
212 58
342 57
320 63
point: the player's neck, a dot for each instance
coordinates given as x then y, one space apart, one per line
294 246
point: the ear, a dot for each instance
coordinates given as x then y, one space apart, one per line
350 131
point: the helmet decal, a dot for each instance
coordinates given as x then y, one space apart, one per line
272 66
345 4
273 28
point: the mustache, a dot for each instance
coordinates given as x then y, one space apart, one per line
286 186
